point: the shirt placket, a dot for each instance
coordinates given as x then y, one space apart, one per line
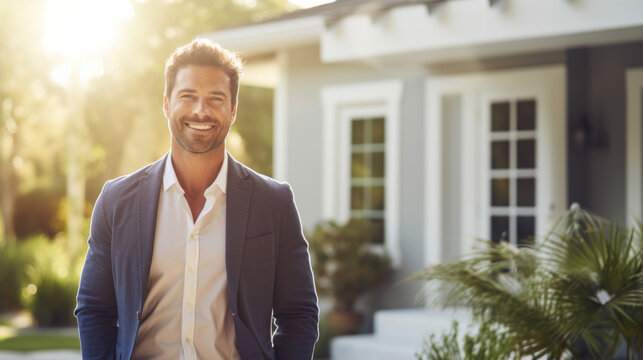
189 287
190 277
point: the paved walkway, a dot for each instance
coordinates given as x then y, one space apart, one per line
41 355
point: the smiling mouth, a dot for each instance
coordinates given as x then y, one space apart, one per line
200 126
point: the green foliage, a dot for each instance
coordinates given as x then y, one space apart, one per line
36 342
579 287
322 347
253 128
488 342
53 278
13 266
42 276
345 266
39 212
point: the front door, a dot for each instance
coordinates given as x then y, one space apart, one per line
496 158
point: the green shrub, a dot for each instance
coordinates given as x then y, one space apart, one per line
13 265
489 342
52 281
40 211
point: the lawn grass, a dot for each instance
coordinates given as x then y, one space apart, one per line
35 342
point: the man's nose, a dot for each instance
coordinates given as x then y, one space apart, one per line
201 108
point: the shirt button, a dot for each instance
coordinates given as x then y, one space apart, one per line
191 270
188 340
234 314
189 305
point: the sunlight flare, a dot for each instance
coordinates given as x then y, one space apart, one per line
80 28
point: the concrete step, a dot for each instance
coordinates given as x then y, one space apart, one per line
399 334
358 347
416 324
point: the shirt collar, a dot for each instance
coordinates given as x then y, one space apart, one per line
170 180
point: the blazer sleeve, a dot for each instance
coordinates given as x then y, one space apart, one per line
295 300
96 303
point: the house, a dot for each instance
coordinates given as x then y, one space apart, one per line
447 120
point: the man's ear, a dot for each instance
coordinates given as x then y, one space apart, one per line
166 106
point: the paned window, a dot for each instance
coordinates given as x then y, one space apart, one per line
368 172
512 169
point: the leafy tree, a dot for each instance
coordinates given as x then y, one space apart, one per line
27 102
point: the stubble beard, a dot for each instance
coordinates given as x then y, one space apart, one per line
199 143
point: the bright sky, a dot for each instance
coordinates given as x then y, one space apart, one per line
77 28
310 3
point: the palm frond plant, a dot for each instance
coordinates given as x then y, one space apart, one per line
580 289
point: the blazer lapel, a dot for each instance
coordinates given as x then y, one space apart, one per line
237 208
149 188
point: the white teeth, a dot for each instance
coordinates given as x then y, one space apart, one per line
200 127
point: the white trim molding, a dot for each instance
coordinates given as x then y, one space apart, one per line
280 124
634 173
339 102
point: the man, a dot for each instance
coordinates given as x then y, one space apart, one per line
192 256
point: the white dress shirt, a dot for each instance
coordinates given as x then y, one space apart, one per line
186 313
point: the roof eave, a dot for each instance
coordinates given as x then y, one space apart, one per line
264 38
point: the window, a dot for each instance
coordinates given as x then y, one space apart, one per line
368 168
361 158
512 174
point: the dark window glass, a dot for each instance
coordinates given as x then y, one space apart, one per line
379 233
526 189
500 192
499 228
526 110
357 197
377 197
358 166
378 131
378 164
357 131
526 154
500 116
526 229
500 154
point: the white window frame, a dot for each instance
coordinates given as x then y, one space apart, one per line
548 82
341 104
633 152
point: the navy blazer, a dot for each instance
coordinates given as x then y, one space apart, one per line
267 264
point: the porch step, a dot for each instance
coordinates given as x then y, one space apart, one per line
398 334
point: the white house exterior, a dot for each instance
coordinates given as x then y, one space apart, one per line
450 120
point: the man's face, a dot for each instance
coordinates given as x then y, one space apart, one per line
199 110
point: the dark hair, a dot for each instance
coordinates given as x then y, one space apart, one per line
203 52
